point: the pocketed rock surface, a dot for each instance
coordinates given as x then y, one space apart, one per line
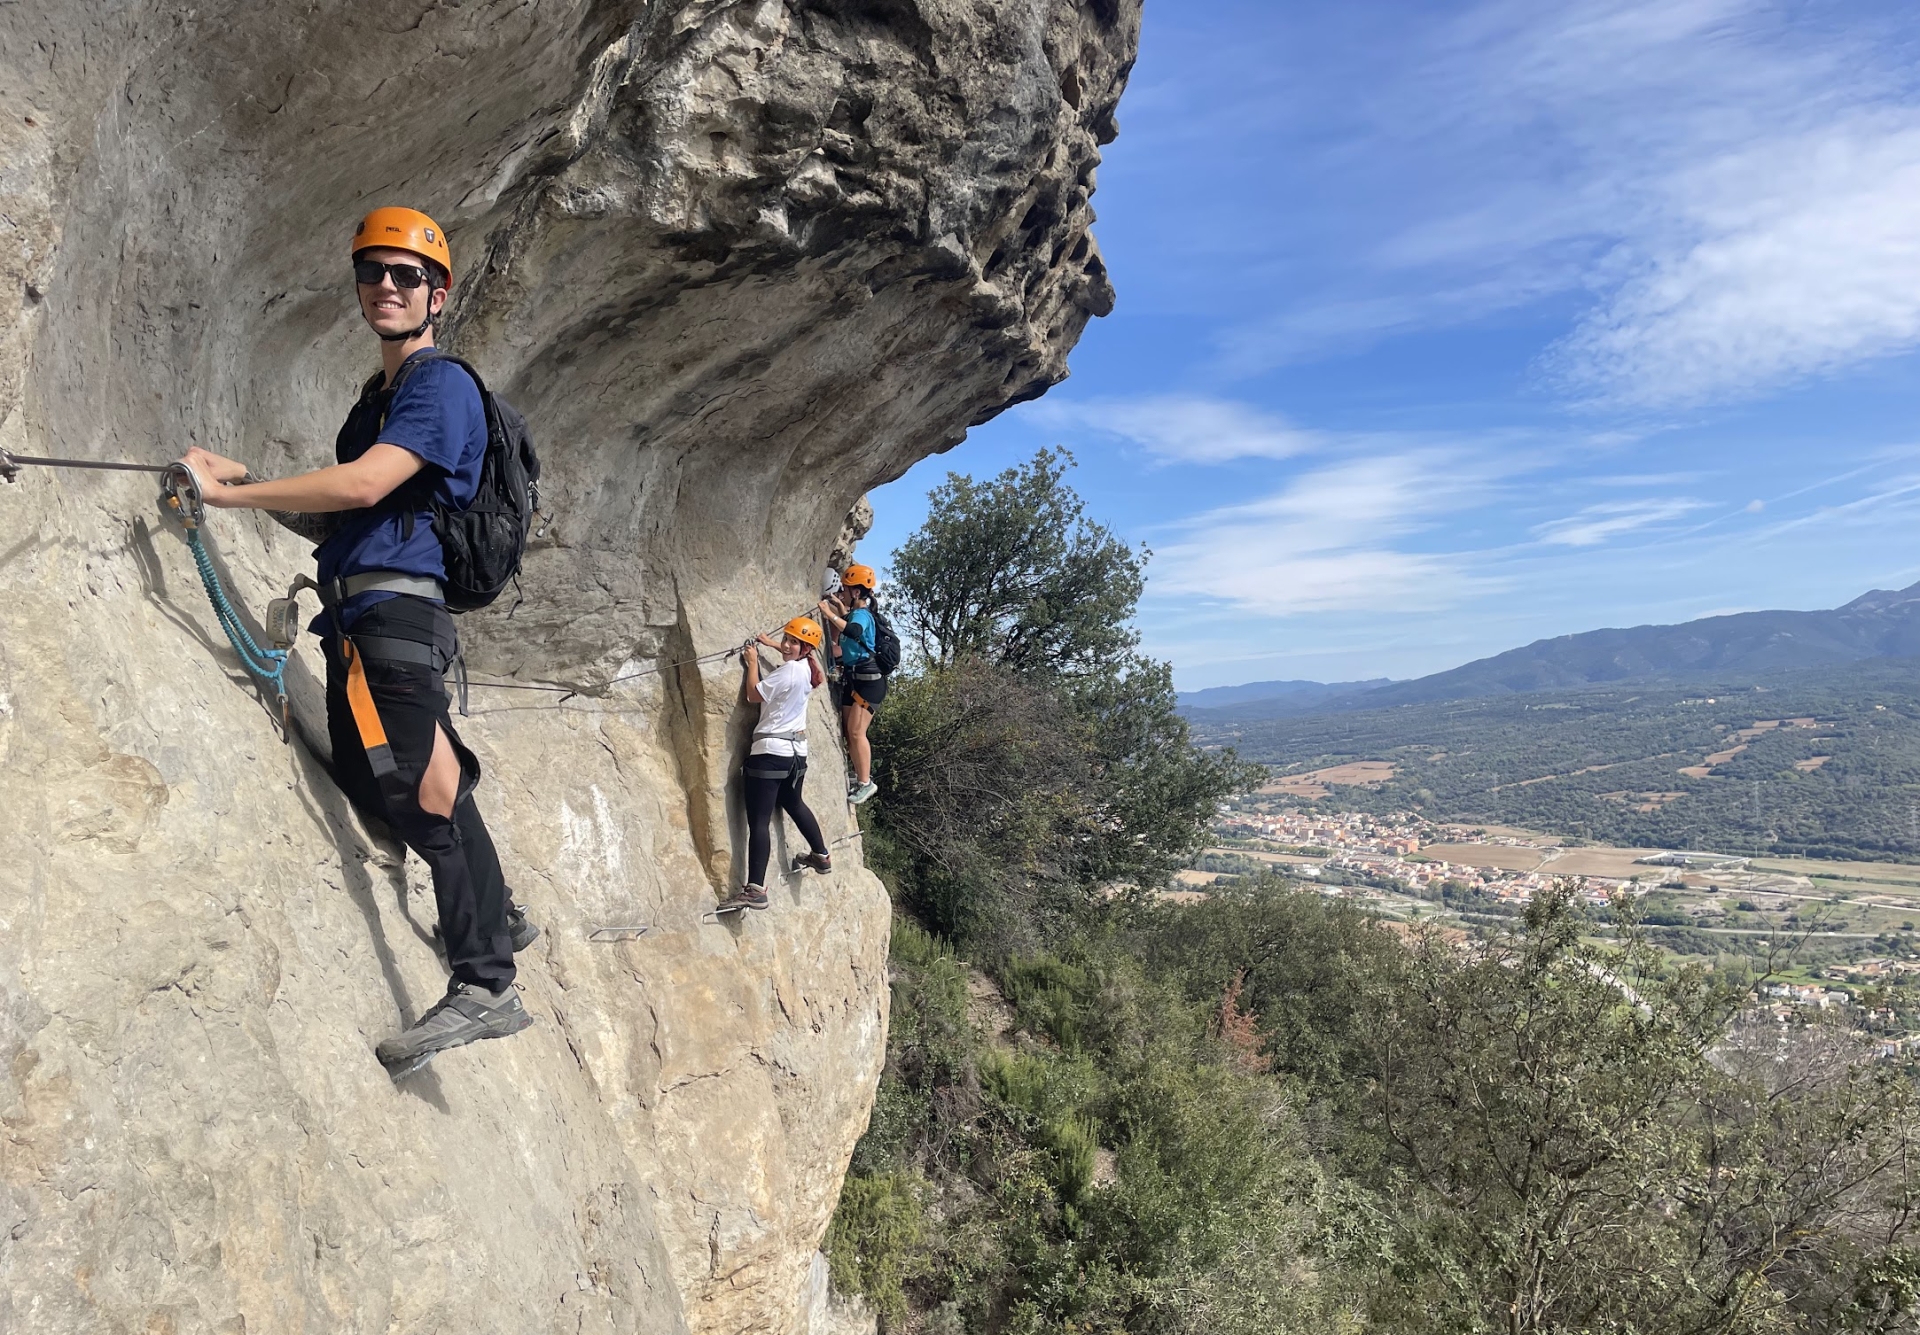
737 263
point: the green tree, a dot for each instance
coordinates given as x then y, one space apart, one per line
1012 571
1033 761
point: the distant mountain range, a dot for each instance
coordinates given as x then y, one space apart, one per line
1880 624
1304 694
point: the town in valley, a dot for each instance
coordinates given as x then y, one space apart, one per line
1834 934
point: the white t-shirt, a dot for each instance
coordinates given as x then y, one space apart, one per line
783 709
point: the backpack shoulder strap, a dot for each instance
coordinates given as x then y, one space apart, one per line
435 355
418 360
415 362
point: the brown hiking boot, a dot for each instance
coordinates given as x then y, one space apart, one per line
746 897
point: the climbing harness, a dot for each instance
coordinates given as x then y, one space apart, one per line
181 493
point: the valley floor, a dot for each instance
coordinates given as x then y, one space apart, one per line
1836 933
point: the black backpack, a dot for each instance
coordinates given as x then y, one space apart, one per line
484 543
886 645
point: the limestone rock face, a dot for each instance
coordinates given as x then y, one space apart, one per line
737 261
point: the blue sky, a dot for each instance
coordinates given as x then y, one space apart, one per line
1445 327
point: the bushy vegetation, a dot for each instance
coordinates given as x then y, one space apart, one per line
1111 1167
1271 1112
1266 1112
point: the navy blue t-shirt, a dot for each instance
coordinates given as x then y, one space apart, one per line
437 414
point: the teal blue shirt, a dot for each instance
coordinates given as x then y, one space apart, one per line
856 641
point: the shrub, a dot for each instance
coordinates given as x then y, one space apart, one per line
876 1243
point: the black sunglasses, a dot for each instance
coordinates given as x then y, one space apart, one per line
407 277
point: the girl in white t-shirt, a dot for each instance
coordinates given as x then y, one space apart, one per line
777 762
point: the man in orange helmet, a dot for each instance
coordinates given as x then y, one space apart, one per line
415 440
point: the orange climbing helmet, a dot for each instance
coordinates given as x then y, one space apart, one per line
806 630
861 577
404 229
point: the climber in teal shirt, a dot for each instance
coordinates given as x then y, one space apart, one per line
859 685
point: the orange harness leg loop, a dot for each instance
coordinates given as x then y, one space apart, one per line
373 733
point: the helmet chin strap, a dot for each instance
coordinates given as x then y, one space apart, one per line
424 325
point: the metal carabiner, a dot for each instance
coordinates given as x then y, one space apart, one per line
283 614
181 492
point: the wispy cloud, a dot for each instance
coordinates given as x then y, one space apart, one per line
1597 523
1797 257
1328 540
1184 428
1644 480
1732 186
1894 504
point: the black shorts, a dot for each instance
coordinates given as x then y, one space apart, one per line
871 693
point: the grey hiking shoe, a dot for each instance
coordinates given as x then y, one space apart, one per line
862 791
523 932
746 897
467 1013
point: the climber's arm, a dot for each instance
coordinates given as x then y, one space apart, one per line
750 655
365 482
315 528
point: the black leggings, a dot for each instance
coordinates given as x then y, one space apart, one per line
774 781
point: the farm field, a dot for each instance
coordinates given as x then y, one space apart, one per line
1316 783
1498 857
1621 862
1896 875
1834 901
1547 856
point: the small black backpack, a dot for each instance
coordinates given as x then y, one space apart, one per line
886 645
484 543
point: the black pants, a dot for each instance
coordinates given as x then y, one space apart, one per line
775 781
410 700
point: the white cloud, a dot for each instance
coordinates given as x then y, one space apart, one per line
1792 259
1597 523
1326 541
1184 428
1734 183
1759 177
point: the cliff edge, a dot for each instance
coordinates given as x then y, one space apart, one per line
737 262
